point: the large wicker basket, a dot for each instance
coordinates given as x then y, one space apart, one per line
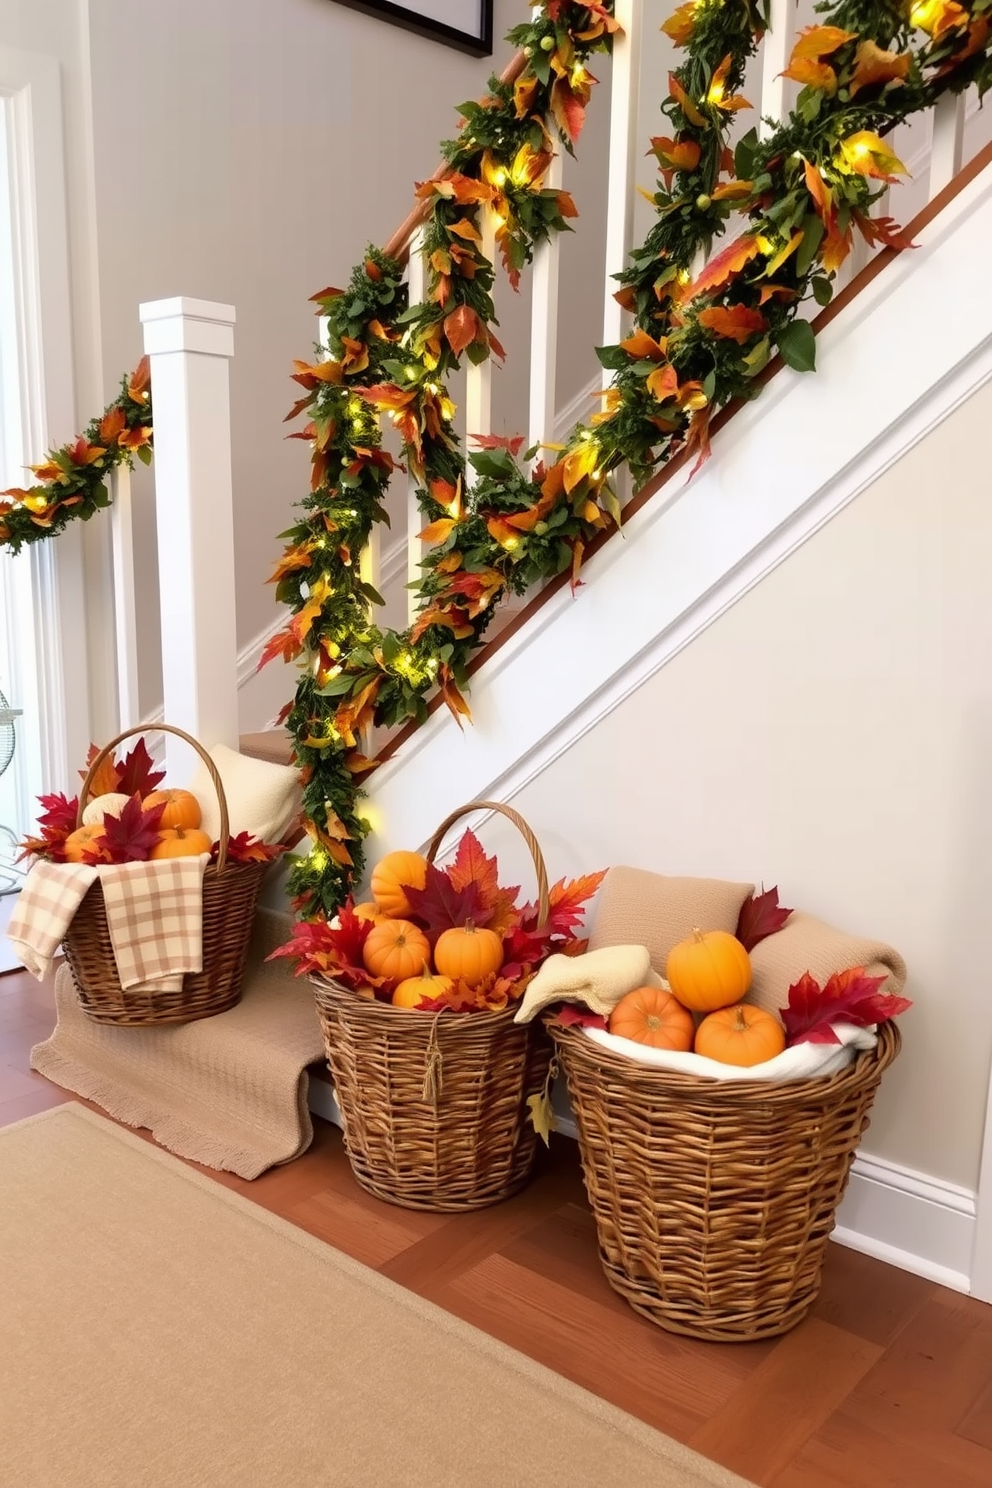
714 1199
435 1105
230 894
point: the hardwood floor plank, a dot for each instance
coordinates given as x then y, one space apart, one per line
849 1453
363 1227
622 1357
786 1399
867 1297
976 1424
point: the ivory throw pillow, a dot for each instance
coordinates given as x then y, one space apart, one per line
262 798
640 908
808 944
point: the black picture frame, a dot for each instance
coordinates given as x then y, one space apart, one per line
386 10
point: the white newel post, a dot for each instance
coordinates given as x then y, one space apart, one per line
190 343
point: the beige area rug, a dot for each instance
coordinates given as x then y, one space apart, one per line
160 1331
229 1092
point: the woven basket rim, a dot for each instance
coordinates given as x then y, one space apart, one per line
867 1063
412 1017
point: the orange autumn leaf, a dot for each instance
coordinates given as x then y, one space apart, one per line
784 253
436 532
873 65
464 228
357 713
685 103
112 425
136 438
357 763
138 382
461 328
864 154
107 778
716 94
736 322
524 93
681 155
83 453
311 375
579 463
820 41
811 73
295 557
725 265
453 696
285 644
680 23
578 549
643 347
663 383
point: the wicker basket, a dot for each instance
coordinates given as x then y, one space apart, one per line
714 1200
230 893
435 1106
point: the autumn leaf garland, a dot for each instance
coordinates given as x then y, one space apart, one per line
699 341
72 479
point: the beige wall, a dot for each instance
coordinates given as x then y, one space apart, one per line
246 153
832 733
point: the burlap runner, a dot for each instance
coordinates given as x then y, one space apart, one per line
229 1091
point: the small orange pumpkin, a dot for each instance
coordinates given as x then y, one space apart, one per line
178 842
468 953
86 839
422 988
180 808
741 1035
391 875
369 911
708 970
396 949
652 1015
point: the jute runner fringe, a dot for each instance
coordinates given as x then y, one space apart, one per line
229 1091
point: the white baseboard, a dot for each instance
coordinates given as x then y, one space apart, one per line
908 1219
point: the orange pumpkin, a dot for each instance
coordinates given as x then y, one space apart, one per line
709 970
422 988
652 1015
468 953
369 911
86 839
180 808
396 949
393 873
740 1035
177 842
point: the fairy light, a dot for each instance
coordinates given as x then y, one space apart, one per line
318 859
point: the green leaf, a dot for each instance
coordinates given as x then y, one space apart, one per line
823 291
744 155
612 357
797 344
812 238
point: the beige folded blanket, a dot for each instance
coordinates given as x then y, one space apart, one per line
808 944
636 907
596 980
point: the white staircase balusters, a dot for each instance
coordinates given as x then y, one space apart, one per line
544 329
190 343
947 147
125 615
416 278
625 147
479 379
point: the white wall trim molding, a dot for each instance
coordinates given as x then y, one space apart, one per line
695 551
907 1219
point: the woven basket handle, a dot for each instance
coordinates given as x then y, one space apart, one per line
543 906
166 728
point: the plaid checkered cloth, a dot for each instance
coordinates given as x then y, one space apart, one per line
154 915
45 906
155 918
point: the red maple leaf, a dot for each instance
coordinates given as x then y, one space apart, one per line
498 441
566 901
571 1016
137 772
335 950
528 943
472 865
760 917
130 837
244 848
848 997
440 905
59 814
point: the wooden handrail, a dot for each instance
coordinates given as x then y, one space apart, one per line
679 462
398 246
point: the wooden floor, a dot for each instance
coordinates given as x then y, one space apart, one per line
887 1384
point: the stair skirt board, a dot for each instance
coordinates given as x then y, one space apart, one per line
908 1219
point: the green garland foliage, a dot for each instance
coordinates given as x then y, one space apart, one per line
700 338
72 479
